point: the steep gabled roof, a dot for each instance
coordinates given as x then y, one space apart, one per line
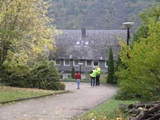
94 45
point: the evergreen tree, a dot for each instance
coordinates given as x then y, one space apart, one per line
73 72
110 77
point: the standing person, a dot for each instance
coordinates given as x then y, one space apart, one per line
78 78
92 77
98 72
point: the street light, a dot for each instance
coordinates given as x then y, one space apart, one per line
128 25
80 64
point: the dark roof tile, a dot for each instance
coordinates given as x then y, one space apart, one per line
99 42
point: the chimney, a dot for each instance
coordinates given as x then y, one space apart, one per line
83 32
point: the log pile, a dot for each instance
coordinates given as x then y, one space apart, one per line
142 111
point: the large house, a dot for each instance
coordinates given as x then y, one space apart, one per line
85 49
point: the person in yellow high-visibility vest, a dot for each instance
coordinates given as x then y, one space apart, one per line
92 77
98 72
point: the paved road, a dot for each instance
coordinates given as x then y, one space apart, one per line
65 106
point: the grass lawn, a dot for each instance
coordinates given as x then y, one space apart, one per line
107 111
13 93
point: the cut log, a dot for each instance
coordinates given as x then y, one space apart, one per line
140 116
134 111
156 116
143 111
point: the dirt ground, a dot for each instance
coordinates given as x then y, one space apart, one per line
67 106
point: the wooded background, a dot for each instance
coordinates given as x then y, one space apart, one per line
97 14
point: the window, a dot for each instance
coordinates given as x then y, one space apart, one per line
57 62
76 62
66 62
78 43
86 43
88 63
106 64
95 63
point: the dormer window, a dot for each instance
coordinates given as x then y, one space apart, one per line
78 43
86 43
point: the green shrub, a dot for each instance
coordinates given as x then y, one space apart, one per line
124 95
45 76
14 75
142 96
63 86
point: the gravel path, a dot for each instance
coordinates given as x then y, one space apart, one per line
65 106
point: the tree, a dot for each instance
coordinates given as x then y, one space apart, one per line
142 74
142 31
110 76
73 72
25 31
118 65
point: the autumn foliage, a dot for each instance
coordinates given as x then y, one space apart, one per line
26 33
140 78
27 39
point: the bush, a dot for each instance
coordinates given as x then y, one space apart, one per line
63 86
14 75
45 76
141 96
124 95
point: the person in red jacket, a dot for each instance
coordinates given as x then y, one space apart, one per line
78 78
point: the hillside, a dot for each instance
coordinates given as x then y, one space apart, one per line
96 14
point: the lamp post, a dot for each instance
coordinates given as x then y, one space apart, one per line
128 25
80 64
